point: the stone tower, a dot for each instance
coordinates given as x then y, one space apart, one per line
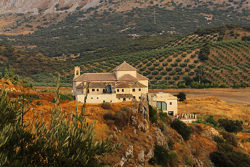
77 72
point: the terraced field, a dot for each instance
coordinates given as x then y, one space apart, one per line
178 63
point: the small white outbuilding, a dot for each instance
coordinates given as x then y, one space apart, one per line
164 101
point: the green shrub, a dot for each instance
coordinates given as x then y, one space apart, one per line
204 52
181 96
230 138
106 105
152 114
230 159
170 144
164 116
67 140
210 120
163 157
182 128
120 118
218 139
66 97
230 125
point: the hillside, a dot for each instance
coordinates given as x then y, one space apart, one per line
177 63
65 28
138 136
166 61
28 64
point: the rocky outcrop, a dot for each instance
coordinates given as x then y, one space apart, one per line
128 154
210 133
48 6
143 107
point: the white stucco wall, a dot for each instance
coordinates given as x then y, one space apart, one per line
121 73
98 99
170 100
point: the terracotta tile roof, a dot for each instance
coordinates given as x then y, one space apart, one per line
124 96
130 85
124 67
95 85
141 77
80 86
127 77
96 77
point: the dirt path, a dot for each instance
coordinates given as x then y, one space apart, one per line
236 96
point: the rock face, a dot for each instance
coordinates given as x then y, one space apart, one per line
143 107
210 133
128 154
49 6
25 6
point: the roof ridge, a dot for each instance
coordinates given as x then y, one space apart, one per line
124 67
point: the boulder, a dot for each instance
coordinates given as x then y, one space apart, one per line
130 152
141 157
210 133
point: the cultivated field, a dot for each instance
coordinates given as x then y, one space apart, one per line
235 96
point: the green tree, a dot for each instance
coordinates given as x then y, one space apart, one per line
181 96
182 128
230 125
204 52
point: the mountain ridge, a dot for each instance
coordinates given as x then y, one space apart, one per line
14 13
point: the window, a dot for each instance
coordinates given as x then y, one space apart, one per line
97 90
161 105
103 101
134 97
139 89
110 101
93 90
170 103
91 97
140 97
124 99
97 98
118 90
122 90
133 90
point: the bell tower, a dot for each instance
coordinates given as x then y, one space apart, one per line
77 72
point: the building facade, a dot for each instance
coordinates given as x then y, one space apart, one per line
164 102
123 84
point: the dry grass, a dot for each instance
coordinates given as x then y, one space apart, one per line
213 106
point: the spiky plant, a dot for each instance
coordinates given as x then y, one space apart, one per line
66 141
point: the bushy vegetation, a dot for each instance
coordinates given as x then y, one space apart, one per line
182 128
225 156
163 157
204 52
231 125
210 120
181 96
68 97
106 105
67 142
119 118
230 159
153 117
